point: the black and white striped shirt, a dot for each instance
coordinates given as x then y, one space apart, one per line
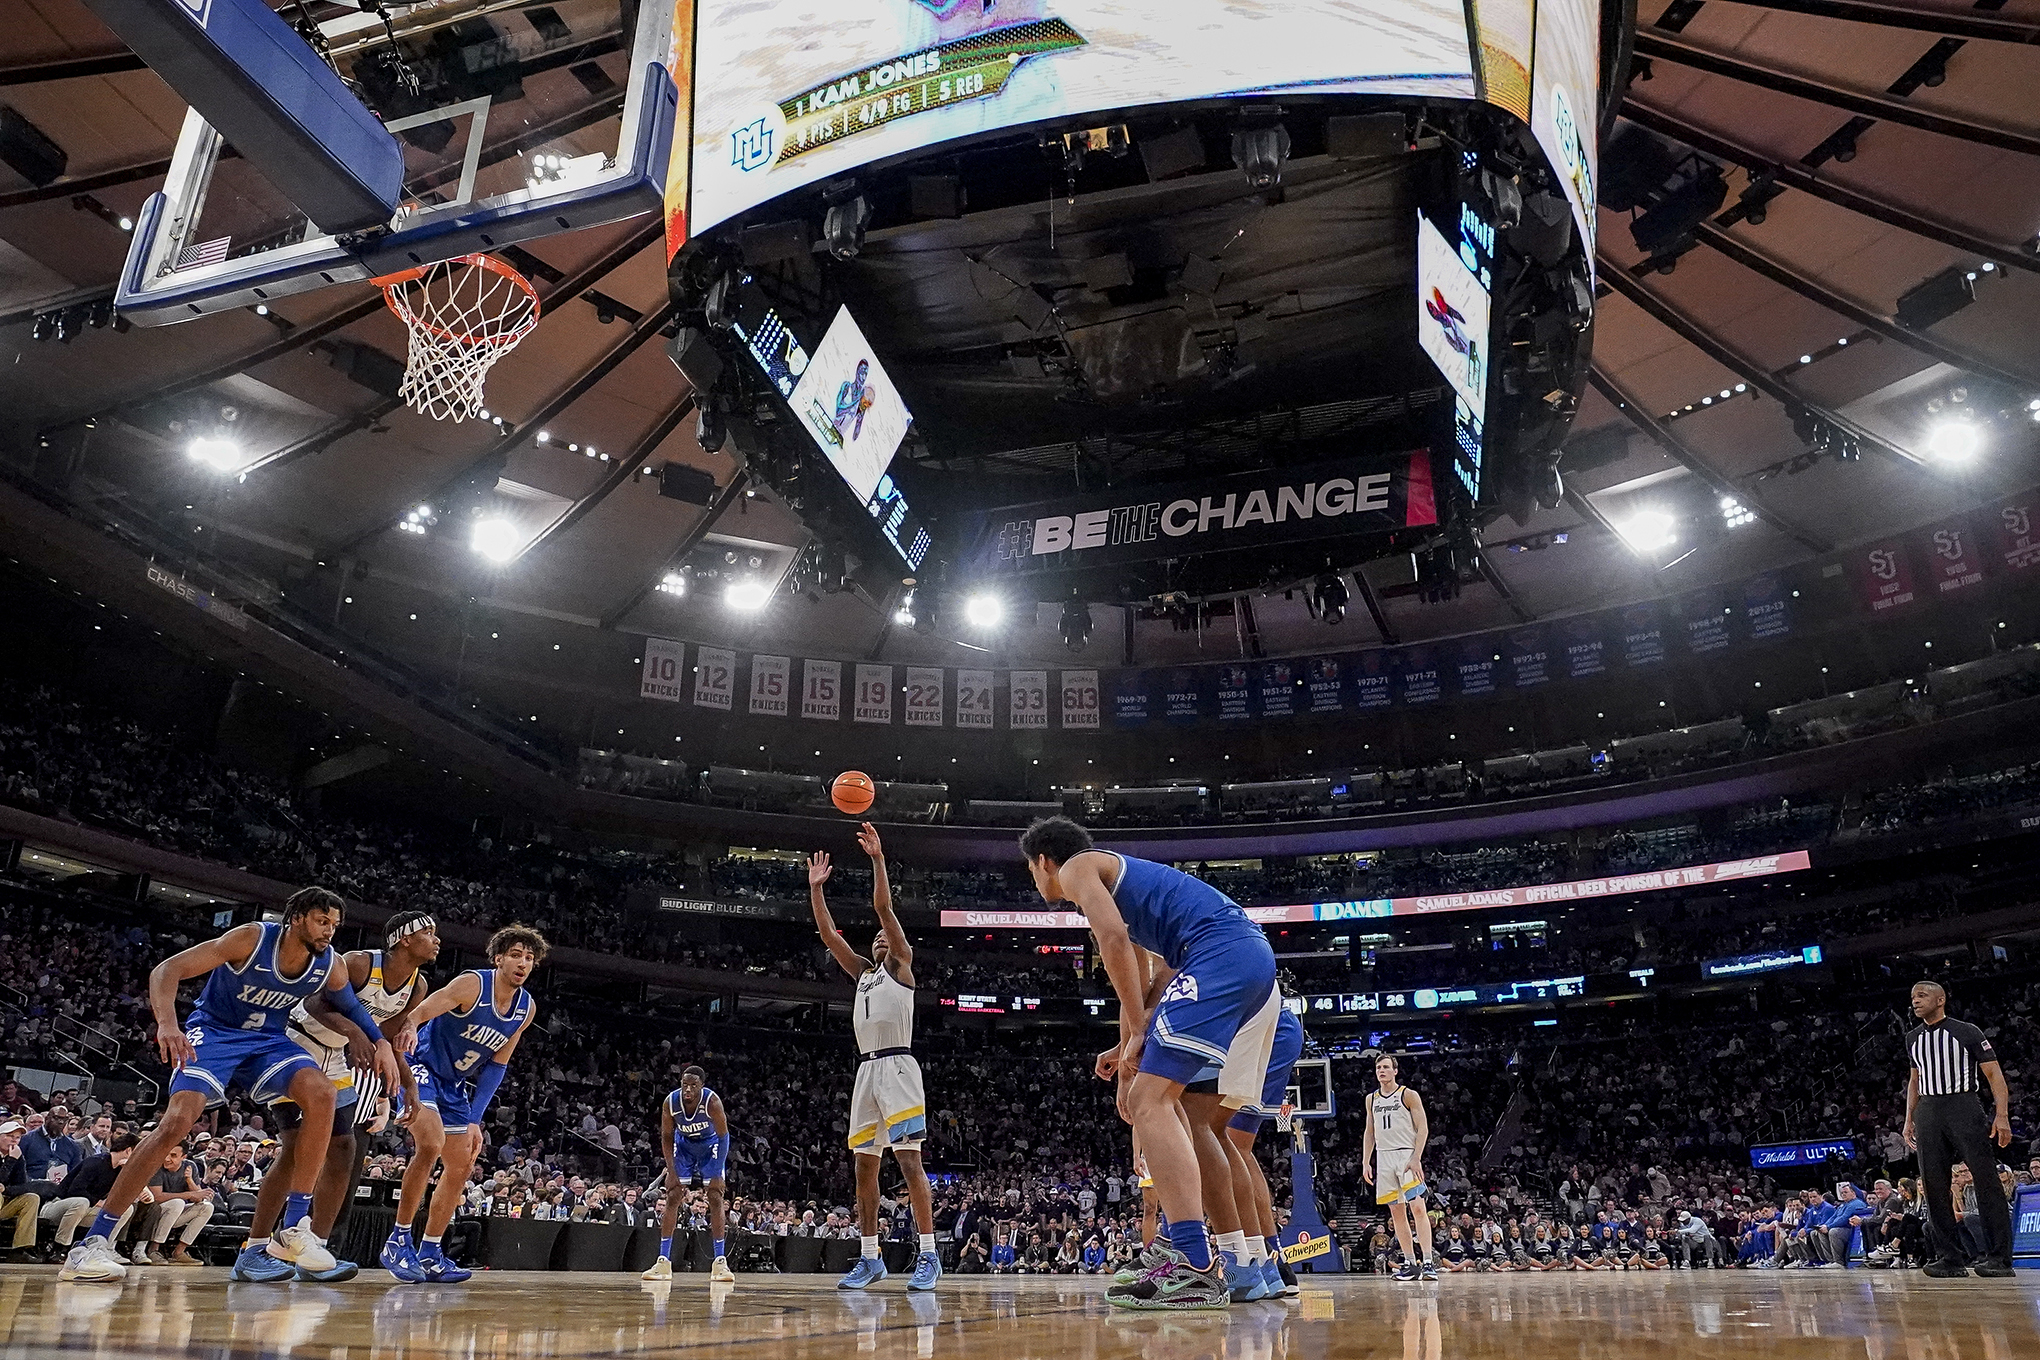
1949 1057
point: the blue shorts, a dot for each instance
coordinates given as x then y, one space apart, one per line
260 1062
449 1099
1283 1052
1217 1017
703 1159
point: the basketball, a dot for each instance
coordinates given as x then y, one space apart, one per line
852 792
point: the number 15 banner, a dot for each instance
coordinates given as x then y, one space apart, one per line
770 679
821 691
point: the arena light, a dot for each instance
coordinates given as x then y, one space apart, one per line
1075 624
1649 530
904 615
221 455
1953 441
1734 514
496 539
747 595
673 583
984 611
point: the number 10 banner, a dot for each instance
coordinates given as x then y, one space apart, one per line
665 664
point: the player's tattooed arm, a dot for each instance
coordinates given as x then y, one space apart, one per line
852 962
896 946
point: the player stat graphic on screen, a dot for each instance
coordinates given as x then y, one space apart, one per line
851 407
795 91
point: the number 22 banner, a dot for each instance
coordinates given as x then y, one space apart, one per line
924 696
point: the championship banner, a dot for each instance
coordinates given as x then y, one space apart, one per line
1476 667
821 690
975 691
665 663
771 679
924 696
2018 545
715 677
872 702
1370 678
1279 683
1347 496
1585 648
1324 684
1181 694
1703 618
1027 701
1766 612
1643 636
1952 559
1079 705
1532 895
1130 699
1883 576
1235 694
1417 676
1529 659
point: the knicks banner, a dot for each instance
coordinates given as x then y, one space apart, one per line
821 691
665 663
872 702
1347 496
771 679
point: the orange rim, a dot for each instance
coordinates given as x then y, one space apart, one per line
392 284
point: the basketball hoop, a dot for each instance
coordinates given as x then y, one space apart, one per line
1285 1117
463 315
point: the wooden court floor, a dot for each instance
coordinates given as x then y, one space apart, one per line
1875 1315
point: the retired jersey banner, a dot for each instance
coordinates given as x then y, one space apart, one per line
1883 576
2018 544
924 696
715 677
1643 636
1373 493
665 663
1078 703
1027 704
1766 612
871 702
771 684
1953 561
1235 694
821 690
974 693
1279 684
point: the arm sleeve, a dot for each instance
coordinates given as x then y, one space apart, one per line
349 1005
485 1088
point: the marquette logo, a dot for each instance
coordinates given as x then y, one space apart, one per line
751 146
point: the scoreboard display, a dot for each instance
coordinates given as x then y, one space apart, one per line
792 92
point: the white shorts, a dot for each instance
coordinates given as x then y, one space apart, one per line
1245 1070
1391 1168
888 1107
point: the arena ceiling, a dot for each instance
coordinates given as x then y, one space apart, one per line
1900 141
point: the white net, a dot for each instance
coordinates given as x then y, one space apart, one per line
463 315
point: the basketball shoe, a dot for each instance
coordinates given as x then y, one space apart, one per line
1173 1285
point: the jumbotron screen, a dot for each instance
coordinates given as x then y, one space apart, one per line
795 91
849 405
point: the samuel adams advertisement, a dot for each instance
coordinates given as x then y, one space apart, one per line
1377 494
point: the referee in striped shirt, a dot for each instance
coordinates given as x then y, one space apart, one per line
1951 1060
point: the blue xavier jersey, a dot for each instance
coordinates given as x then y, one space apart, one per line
1167 912
256 996
696 1127
456 1044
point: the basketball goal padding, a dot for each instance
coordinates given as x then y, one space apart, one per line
271 96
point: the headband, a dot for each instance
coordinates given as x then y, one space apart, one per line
411 927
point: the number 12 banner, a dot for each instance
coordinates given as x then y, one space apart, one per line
715 677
